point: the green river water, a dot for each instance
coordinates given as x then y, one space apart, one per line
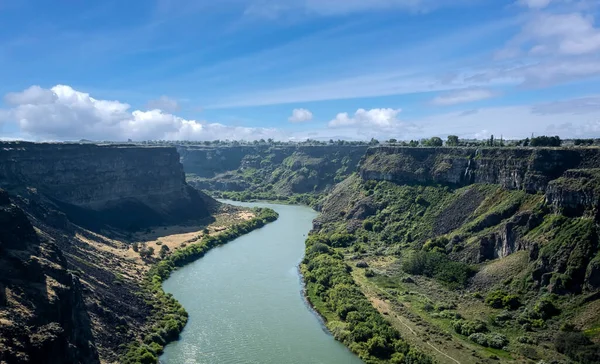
245 301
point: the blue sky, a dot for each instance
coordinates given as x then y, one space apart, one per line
292 69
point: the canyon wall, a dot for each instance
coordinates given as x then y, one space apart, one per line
529 169
558 172
269 168
137 186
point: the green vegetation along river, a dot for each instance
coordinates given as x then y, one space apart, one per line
245 302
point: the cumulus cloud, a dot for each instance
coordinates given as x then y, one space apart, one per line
164 103
300 115
65 113
378 118
33 95
462 96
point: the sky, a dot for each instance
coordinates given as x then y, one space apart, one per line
297 69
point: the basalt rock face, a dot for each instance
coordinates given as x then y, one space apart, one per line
568 177
42 314
263 168
120 185
529 169
576 193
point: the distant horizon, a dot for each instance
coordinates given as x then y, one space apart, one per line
250 141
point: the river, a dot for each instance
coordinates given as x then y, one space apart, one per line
245 302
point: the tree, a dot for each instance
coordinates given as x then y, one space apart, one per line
452 140
164 251
392 141
146 253
546 141
413 143
433 142
135 247
374 141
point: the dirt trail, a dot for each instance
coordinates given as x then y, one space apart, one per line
418 332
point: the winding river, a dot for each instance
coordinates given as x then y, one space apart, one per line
245 302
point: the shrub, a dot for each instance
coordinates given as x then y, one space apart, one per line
479 338
468 328
438 266
494 340
501 299
436 245
497 341
164 251
362 264
341 240
577 347
546 308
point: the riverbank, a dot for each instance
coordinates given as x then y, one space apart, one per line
249 293
169 315
311 200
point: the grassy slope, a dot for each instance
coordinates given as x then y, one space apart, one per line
450 225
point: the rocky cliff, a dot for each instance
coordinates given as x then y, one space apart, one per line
121 185
545 170
269 169
42 314
529 169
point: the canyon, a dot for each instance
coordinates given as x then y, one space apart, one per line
520 221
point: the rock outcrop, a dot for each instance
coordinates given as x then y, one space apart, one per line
568 176
120 185
529 169
576 193
42 314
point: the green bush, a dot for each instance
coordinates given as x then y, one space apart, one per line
577 346
438 266
468 328
546 308
501 299
496 341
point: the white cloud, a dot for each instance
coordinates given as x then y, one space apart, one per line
33 95
300 115
378 118
556 34
164 103
462 96
64 113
